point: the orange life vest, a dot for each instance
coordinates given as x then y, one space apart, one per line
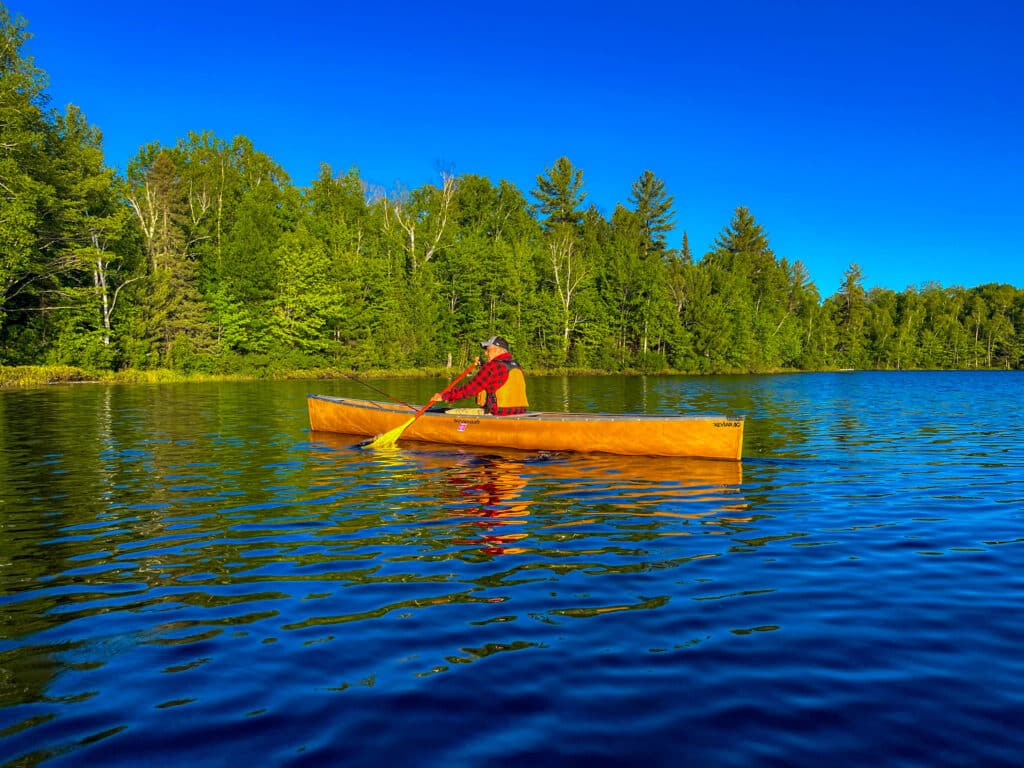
511 394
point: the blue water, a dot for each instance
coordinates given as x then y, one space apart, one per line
188 576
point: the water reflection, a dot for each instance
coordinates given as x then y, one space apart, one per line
493 488
498 501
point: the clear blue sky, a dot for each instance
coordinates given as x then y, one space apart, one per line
889 133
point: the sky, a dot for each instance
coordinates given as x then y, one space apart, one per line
886 133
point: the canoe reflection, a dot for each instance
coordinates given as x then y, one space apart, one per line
496 500
497 491
492 488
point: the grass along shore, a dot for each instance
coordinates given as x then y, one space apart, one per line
12 377
24 376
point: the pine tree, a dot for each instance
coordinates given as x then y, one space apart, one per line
653 209
849 311
756 288
560 194
173 328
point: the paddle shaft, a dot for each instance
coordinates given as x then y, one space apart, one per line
459 378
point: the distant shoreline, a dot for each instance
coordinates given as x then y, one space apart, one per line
29 376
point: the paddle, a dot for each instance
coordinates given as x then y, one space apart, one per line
389 438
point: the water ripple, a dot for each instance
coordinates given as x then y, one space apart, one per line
187 573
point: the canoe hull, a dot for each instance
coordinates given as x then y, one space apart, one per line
699 436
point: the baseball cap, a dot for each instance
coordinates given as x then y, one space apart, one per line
496 341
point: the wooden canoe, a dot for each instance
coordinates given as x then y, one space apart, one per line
697 436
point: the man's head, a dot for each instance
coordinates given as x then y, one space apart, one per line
496 345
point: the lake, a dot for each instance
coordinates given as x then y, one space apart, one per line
188 576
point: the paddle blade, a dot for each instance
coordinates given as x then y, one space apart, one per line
389 438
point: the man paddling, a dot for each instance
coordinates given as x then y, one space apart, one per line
499 386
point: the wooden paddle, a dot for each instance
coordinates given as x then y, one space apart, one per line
389 438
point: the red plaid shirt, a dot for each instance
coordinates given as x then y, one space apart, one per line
490 378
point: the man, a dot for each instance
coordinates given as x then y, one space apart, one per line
499 386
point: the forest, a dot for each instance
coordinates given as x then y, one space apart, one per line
204 258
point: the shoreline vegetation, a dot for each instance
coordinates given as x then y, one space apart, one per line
28 376
32 376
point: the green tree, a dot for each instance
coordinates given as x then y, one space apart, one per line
976 317
208 169
997 332
680 273
910 324
248 278
63 234
302 299
757 289
172 327
816 332
28 202
479 275
849 312
881 340
707 318
943 340
22 127
97 254
336 215
560 194
653 208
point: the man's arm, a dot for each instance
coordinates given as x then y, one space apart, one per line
489 378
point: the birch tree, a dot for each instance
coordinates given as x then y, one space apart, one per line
424 218
568 276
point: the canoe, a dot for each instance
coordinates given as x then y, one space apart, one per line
706 436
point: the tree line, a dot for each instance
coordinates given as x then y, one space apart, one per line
205 257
